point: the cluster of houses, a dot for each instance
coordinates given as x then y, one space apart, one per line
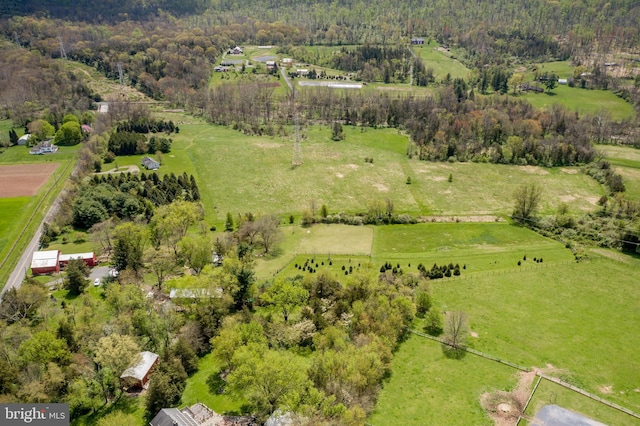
50 261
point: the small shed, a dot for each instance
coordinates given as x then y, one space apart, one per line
24 139
150 164
137 376
562 81
417 40
45 262
287 62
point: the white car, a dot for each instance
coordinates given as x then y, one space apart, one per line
96 282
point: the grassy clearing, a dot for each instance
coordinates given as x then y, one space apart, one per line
238 173
197 389
479 188
572 316
552 393
443 62
134 406
428 388
582 101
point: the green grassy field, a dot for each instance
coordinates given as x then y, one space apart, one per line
238 173
583 101
478 247
13 210
441 61
197 389
572 316
427 388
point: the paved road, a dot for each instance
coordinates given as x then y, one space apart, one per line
19 273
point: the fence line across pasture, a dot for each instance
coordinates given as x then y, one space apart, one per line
538 373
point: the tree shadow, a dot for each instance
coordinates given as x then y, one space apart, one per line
551 93
453 352
216 383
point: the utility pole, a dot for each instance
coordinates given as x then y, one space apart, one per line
63 54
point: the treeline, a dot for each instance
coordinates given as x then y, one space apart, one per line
127 196
31 83
448 126
103 11
161 57
131 143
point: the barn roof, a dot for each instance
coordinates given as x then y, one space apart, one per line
68 257
138 371
45 259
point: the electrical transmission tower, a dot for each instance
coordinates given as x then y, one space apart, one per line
121 73
297 146
63 54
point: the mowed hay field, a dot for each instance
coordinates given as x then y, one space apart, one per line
238 173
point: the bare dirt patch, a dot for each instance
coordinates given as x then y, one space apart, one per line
567 198
605 389
474 334
339 175
24 179
380 187
352 166
505 407
521 69
534 170
268 145
570 171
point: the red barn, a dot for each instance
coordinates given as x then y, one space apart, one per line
137 376
45 262
88 258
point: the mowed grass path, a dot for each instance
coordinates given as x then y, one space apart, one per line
238 173
580 318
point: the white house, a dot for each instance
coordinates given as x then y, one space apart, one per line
45 147
235 51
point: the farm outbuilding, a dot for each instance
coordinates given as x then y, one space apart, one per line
417 40
150 164
89 259
137 376
24 139
45 262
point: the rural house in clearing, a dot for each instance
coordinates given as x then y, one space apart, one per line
417 41
235 51
45 147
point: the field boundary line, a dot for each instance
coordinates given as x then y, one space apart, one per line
33 214
524 409
538 373
588 395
